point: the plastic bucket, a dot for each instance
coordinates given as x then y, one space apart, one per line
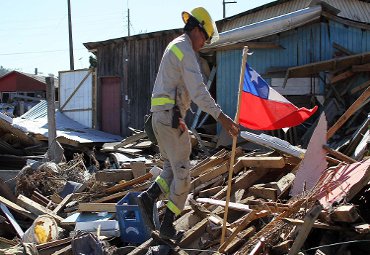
44 229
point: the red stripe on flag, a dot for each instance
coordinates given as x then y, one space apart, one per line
263 114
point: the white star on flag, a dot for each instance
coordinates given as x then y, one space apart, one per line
254 75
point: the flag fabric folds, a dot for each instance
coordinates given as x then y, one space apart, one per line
263 108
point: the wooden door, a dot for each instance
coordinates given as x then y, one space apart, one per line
111 105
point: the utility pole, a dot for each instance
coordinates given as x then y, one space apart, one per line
224 6
71 62
128 21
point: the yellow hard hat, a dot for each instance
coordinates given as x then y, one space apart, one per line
205 22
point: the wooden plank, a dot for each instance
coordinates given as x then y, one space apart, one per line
36 208
316 224
112 197
65 200
360 87
345 213
341 77
114 175
131 139
232 205
239 240
263 162
211 162
97 207
121 186
210 192
339 155
194 233
305 229
361 68
352 109
142 248
17 208
253 215
248 178
64 251
327 65
214 173
263 192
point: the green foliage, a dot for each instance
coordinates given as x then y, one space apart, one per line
3 71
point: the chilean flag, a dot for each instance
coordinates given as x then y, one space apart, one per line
263 108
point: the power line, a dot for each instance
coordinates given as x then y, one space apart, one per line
35 52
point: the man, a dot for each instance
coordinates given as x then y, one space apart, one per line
179 80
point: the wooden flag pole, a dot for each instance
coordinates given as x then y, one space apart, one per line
241 80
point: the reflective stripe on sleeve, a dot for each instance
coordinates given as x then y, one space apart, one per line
162 101
173 208
163 184
178 53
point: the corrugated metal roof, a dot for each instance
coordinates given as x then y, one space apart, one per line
35 121
94 45
351 9
39 78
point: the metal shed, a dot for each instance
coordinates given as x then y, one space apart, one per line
308 43
126 71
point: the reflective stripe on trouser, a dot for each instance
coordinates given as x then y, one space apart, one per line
163 185
175 149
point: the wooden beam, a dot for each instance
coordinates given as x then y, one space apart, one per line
352 109
97 207
345 213
341 77
62 203
305 229
327 65
17 208
36 208
339 155
232 205
253 215
361 68
214 173
131 139
263 162
316 224
114 175
239 239
121 186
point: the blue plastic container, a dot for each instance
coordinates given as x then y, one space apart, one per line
131 224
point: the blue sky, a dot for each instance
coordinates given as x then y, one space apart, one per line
34 33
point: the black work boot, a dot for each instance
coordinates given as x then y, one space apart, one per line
146 201
167 230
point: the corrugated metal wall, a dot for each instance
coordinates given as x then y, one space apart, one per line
351 9
304 45
136 62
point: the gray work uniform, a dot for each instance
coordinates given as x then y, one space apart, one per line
179 80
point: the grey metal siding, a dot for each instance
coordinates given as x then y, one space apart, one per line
136 62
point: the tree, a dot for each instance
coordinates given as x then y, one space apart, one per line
3 71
